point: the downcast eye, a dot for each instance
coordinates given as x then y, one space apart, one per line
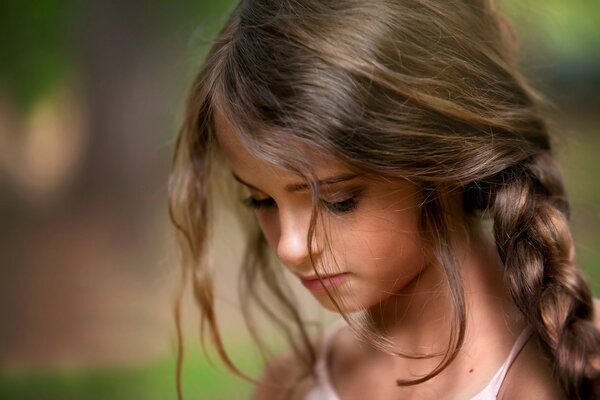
341 207
256 204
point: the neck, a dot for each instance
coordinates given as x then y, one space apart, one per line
420 319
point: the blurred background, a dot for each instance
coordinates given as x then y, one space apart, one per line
91 94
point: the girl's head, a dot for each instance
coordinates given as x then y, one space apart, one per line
418 103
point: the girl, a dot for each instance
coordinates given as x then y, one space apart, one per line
398 166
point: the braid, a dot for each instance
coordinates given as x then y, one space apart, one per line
533 237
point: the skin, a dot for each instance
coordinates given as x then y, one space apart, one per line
387 269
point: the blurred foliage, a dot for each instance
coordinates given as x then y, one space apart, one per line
39 38
579 156
577 34
562 28
33 50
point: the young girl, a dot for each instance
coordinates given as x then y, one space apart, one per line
398 166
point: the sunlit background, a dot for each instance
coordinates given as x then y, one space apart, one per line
90 98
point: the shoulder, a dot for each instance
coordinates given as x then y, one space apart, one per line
282 379
288 378
531 377
531 374
276 378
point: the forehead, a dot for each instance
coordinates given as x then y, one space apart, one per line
233 147
240 158
227 136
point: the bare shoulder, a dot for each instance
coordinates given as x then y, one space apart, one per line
281 378
530 376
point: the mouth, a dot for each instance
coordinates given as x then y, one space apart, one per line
313 283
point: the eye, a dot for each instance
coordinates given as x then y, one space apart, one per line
341 207
257 204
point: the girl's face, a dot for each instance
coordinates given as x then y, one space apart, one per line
372 248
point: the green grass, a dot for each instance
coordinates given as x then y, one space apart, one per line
155 381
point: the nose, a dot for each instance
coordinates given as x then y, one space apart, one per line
292 247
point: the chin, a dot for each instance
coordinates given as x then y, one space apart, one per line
343 306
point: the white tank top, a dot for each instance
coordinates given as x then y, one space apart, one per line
323 389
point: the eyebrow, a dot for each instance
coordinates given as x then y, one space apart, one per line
297 187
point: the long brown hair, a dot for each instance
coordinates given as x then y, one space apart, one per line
421 90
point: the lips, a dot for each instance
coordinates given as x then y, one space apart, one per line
312 282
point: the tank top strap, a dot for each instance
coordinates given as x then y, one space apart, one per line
323 390
493 388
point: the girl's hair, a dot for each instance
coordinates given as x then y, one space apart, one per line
419 90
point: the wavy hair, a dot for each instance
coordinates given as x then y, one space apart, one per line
422 90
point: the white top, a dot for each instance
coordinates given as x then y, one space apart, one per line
323 389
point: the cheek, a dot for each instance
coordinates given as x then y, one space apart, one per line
387 242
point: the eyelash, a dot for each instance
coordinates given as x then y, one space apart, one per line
337 207
257 204
342 207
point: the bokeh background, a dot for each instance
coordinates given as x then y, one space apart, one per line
91 94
